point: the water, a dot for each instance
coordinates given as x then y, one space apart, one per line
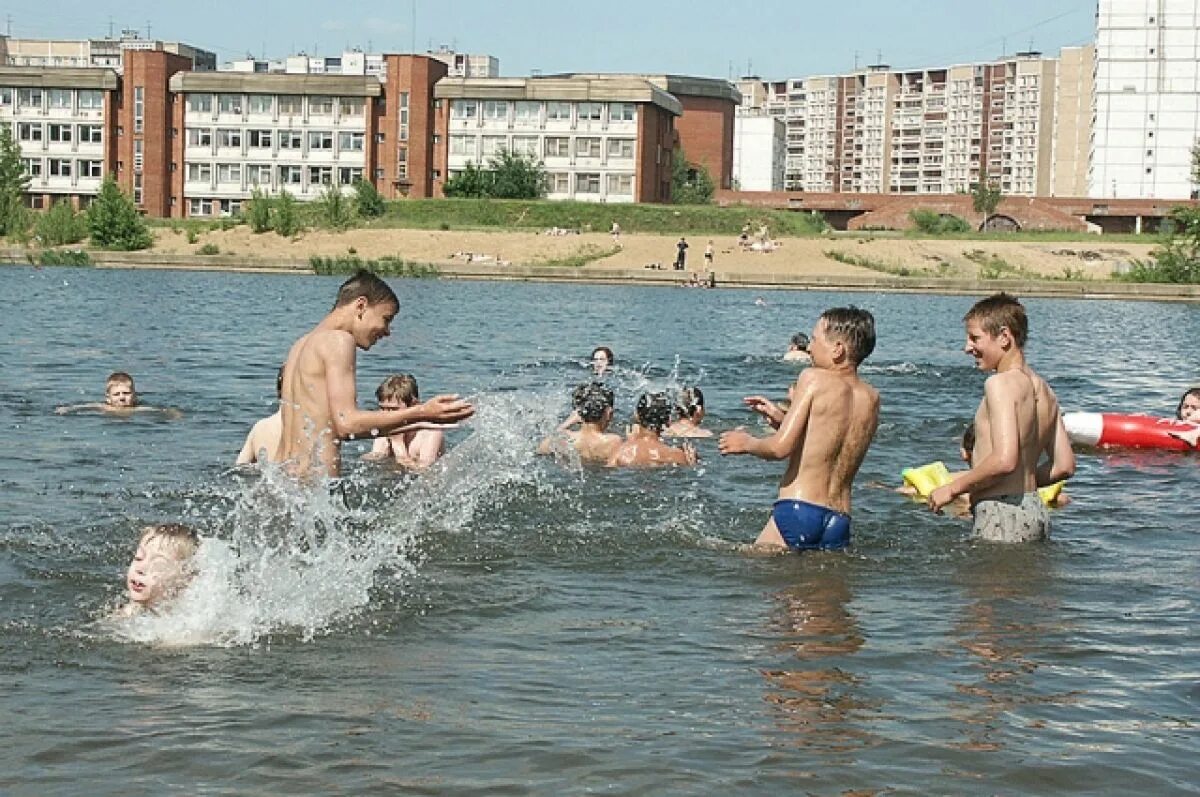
506 625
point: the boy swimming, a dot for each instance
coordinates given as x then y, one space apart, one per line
643 446
120 398
161 566
416 446
593 406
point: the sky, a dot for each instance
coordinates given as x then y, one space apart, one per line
774 39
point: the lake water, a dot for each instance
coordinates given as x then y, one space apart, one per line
508 625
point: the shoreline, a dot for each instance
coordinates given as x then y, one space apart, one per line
739 279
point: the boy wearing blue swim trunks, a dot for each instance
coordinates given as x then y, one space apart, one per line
824 435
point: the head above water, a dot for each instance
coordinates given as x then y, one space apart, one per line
1189 406
398 389
1000 312
368 286
119 390
161 566
592 400
854 328
603 359
691 403
654 411
799 342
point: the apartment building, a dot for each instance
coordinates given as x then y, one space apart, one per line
759 151
1074 100
1147 98
102 53
62 121
466 64
600 138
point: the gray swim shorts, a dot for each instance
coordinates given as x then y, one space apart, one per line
1011 518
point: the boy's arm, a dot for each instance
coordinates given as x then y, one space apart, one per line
785 439
380 449
1005 455
247 455
1061 457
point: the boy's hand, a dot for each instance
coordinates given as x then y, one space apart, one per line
766 408
940 497
735 442
446 409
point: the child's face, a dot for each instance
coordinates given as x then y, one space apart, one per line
155 573
120 394
1190 411
986 348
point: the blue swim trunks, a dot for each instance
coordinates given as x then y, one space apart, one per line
808 527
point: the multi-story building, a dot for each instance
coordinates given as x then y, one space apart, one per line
62 119
104 53
759 151
466 64
600 138
1074 98
1147 98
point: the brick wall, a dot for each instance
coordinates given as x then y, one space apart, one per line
151 70
656 135
415 74
705 133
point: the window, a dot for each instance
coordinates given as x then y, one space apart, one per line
404 116
200 207
91 134
620 148
291 105
199 103
558 111
60 167
320 139
320 175
620 184
587 147
587 183
229 103
138 159
589 111
495 110
351 142
229 173
58 134
349 175
90 100
494 145
291 139
558 147
351 106
137 189
527 114
464 109
289 175
29 131
260 103
6 96
259 139
558 183
32 166
59 98
91 168
199 172
320 105
462 145
29 98
258 174
229 137
526 146
199 137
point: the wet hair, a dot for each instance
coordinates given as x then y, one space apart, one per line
800 341
1000 311
612 358
853 326
968 438
402 387
118 377
691 401
1179 410
367 285
279 381
591 400
180 540
654 411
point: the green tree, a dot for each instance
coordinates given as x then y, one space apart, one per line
114 220
1177 258
13 183
508 176
258 211
985 197
333 208
471 182
1195 169
367 202
691 184
61 225
286 220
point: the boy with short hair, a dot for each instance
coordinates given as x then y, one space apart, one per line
415 446
1017 424
824 435
319 406
120 398
689 412
798 349
643 446
593 403
161 566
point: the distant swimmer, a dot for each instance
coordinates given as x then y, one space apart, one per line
416 446
120 398
824 435
263 439
593 405
798 349
1020 442
320 409
602 360
643 446
689 413
161 567
1189 410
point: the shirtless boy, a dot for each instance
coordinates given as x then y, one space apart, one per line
319 404
410 447
263 439
643 447
593 404
161 567
120 398
824 436
689 412
1017 423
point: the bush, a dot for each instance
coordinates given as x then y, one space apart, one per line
286 219
508 176
61 225
389 266
209 249
192 235
691 184
333 208
1177 258
931 223
114 221
258 211
14 219
62 257
368 204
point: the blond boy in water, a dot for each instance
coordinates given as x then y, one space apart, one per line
161 567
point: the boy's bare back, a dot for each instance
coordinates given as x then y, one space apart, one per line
308 439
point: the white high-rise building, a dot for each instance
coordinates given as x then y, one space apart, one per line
1147 98
759 152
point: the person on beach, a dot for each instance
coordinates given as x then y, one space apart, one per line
708 256
161 567
593 403
824 435
798 349
263 439
681 254
120 398
689 412
318 399
643 446
616 234
1017 424
411 448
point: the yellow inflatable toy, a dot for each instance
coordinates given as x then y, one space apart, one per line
928 478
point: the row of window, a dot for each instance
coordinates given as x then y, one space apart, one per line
287 104
266 175
589 183
311 140
58 133
52 99
62 167
550 147
531 112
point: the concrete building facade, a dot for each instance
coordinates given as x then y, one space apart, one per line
759 151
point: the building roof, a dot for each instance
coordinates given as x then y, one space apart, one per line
258 83
577 88
58 77
691 85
